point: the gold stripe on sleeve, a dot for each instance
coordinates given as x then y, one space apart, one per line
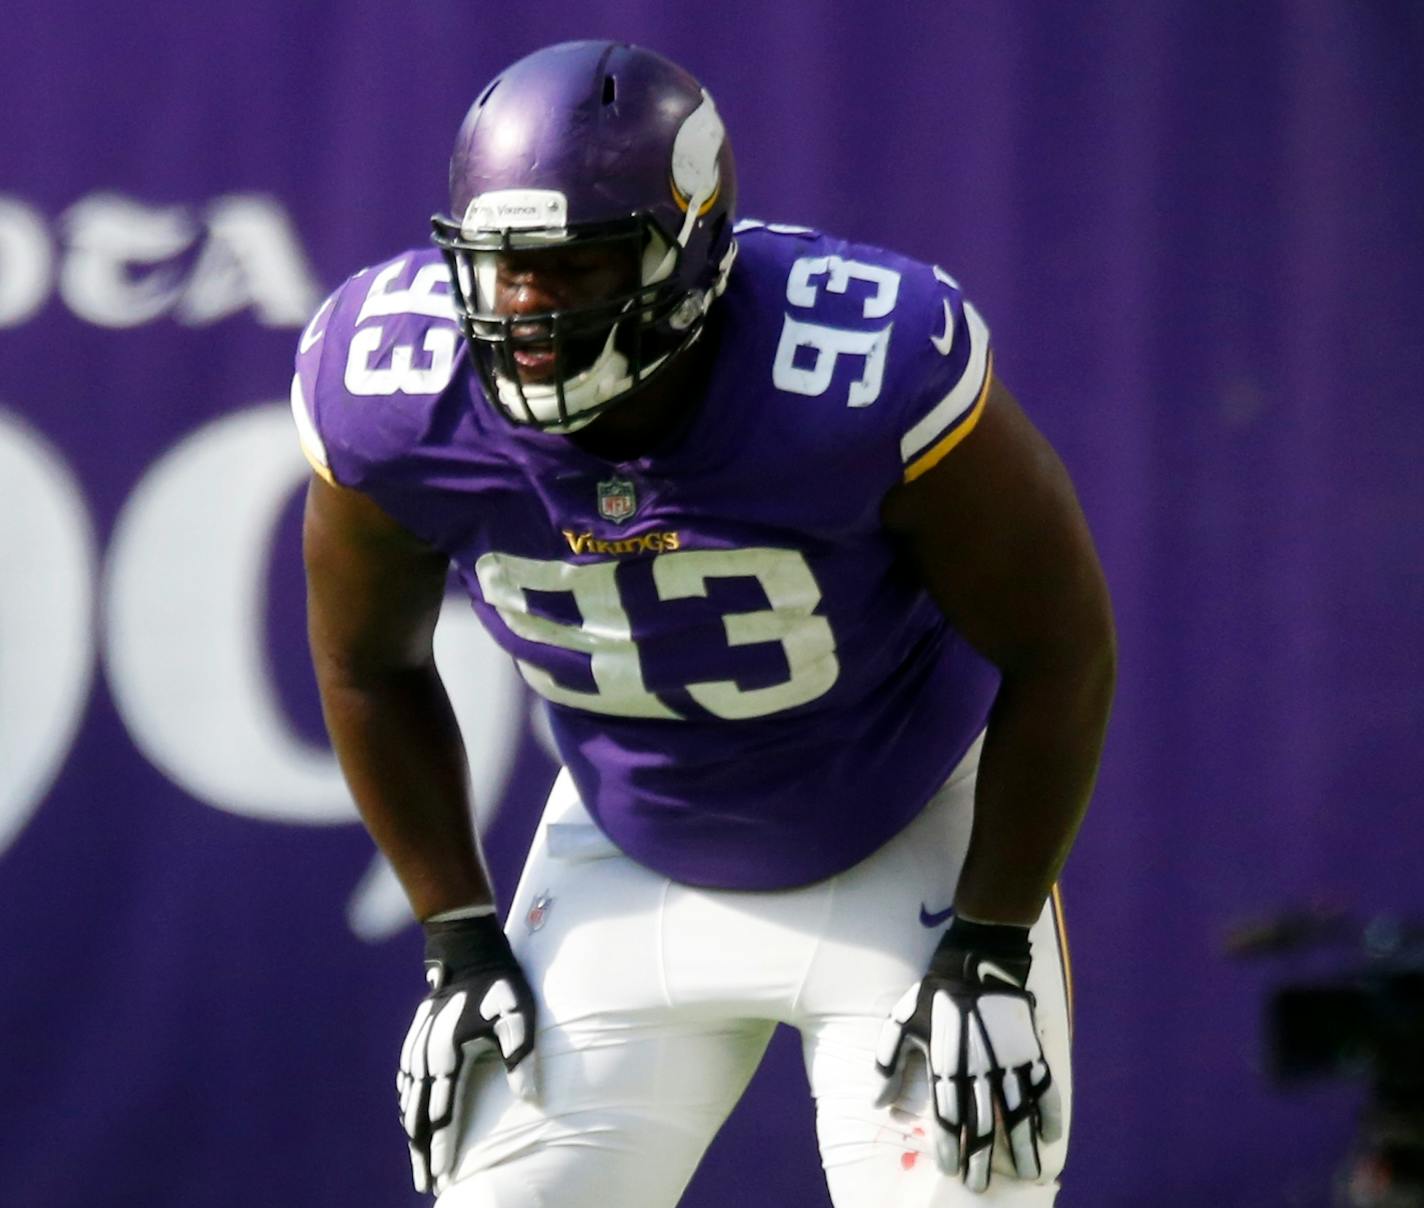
307 435
321 468
936 453
1056 895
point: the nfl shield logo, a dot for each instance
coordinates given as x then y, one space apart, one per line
617 500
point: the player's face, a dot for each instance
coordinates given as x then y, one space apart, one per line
537 281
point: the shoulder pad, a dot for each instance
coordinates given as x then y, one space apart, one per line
371 362
871 329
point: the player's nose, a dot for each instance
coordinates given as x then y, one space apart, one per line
531 294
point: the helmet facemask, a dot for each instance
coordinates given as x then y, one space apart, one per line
602 349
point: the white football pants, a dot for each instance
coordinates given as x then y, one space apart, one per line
657 1000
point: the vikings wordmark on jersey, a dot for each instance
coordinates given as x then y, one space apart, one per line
740 576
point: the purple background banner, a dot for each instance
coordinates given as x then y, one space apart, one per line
1197 230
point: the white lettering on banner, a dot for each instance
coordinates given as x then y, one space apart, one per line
184 591
184 612
184 604
46 619
123 263
118 270
183 640
251 258
26 262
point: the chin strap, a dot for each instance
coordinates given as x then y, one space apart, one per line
584 394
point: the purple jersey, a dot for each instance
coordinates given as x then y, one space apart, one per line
748 688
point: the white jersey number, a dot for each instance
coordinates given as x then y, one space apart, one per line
427 295
830 343
605 632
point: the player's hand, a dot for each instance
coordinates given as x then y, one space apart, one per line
478 1000
973 1020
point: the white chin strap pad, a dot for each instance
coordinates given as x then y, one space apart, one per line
606 378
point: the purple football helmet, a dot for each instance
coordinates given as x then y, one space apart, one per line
589 144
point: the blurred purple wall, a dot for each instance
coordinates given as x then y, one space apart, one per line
1197 230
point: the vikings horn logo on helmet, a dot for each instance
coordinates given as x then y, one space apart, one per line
694 158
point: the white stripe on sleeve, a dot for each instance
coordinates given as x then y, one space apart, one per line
961 398
310 439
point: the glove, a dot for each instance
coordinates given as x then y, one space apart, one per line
478 1000
973 1021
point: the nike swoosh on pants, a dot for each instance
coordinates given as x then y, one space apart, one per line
934 920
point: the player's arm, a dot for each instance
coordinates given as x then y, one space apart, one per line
373 597
996 533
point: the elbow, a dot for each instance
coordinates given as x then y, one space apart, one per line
1095 640
1098 684
1100 636
363 669
1086 633
1071 653
1101 672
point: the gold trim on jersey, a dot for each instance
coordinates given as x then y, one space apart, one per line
1056 897
937 452
307 435
323 471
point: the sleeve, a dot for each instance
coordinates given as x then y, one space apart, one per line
310 348
372 365
950 368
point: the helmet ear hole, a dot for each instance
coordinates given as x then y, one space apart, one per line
610 90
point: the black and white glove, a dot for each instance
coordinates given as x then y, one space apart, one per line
478 1000
973 1020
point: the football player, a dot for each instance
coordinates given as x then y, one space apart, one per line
823 640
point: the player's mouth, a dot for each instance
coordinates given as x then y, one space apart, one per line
535 364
